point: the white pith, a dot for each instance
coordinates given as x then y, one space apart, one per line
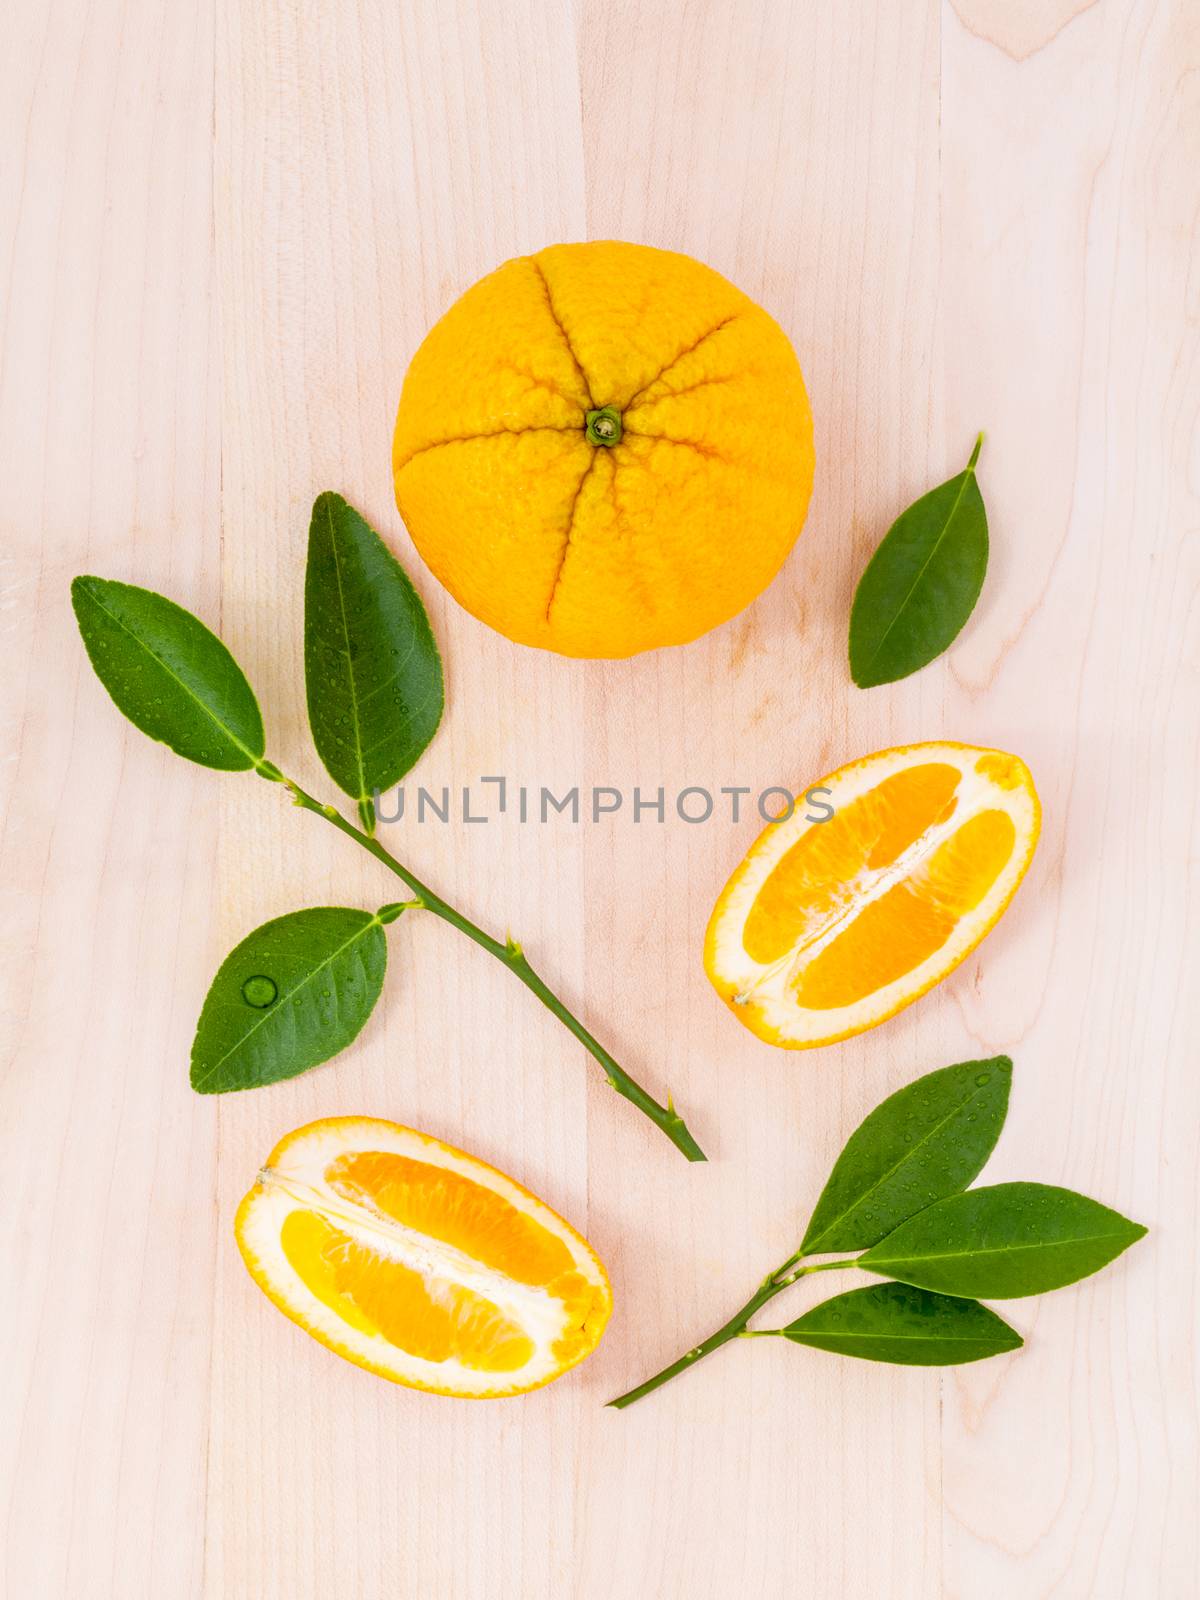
294 1180
762 994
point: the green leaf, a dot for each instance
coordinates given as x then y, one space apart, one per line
906 1326
371 665
1000 1242
922 583
928 1140
292 994
169 674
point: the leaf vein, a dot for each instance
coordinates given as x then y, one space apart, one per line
337 569
890 1335
992 1250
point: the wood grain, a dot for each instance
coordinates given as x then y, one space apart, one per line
224 229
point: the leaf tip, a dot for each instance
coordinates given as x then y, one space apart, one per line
1002 1066
975 453
328 501
82 587
862 674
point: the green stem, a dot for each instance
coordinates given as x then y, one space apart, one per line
665 1118
779 1280
802 1272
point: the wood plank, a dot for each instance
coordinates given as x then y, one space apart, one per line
766 141
336 129
1071 335
108 423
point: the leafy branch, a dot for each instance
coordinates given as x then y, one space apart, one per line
898 1196
298 989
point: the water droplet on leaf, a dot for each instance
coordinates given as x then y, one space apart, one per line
260 991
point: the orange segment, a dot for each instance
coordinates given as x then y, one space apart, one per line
586 1315
418 1262
304 1238
828 928
1006 772
963 868
815 879
911 921
434 1321
458 1211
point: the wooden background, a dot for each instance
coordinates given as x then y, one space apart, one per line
224 228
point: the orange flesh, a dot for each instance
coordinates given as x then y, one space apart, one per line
429 1316
818 880
446 1206
434 1320
913 919
1006 772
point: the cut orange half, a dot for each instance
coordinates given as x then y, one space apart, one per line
833 925
420 1263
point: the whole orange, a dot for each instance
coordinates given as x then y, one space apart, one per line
604 448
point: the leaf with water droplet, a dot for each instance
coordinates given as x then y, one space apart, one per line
922 583
292 994
928 1140
897 1323
1007 1240
169 674
371 665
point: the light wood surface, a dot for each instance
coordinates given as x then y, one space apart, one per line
224 228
